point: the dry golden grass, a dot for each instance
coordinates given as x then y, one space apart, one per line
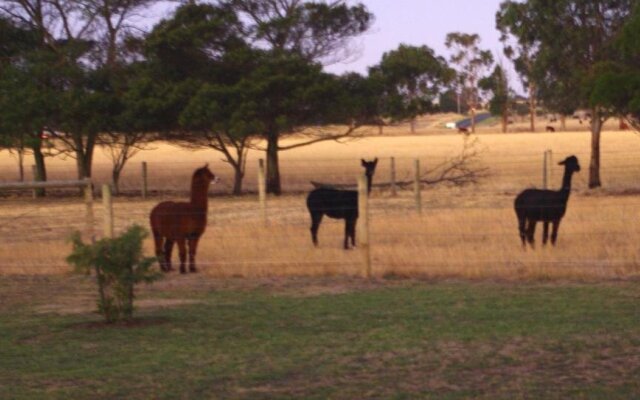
463 232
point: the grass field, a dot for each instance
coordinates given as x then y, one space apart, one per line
318 338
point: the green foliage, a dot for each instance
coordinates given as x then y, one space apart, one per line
311 29
617 83
119 265
471 61
502 97
191 43
570 39
411 78
449 102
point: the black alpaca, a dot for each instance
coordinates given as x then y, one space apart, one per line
339 204
533 205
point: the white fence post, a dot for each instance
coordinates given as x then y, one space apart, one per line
417 186
363 224
107 204
262 190
547 167
394 189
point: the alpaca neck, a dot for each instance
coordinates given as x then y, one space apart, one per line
369 179
199 196
566 182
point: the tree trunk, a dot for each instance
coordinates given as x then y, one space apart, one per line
563 122
594 165
238 175
505 121
532 105
273 169
413 125
473 119
84 155
115 178
21 163
41 170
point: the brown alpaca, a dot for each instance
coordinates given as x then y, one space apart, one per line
182 222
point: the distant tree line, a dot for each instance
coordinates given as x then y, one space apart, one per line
235 75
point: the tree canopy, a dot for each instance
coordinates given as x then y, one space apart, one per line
570 39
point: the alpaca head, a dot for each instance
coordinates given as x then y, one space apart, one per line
205 175
571 164
369 167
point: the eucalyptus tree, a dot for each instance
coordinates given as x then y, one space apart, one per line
79 43
17 130
315 31
617 86
501 101
189 88
472 62
571 39
60 31
516 32
412 78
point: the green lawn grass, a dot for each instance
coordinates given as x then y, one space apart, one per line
386 339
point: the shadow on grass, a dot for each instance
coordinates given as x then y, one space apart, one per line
138 322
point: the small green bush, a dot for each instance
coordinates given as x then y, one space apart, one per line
119 265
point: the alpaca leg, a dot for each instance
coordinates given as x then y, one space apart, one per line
193 246
352 230
182 250
531 231
157 241
554 231
522 222
168 249
545 232
316 218
349 233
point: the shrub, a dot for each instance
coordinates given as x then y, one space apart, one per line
119 265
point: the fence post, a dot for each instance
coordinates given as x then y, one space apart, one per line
262 190
363 230
144 180
547 168
107 204
550 168
88 201
545 164
394 189
417 186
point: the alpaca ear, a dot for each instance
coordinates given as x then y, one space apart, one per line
363 162
563 162
375 161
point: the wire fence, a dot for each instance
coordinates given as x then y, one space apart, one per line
468 231
619 171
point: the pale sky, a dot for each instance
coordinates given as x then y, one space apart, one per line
423 22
